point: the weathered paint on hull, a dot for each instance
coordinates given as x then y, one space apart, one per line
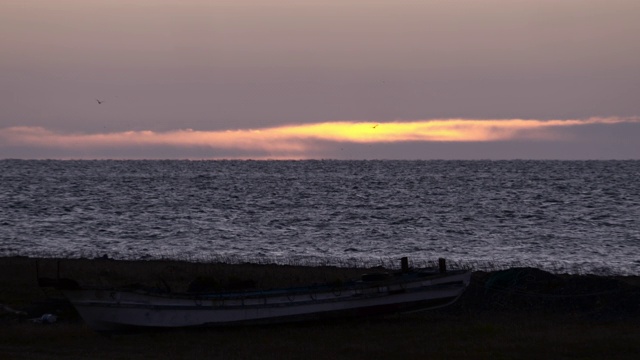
105 310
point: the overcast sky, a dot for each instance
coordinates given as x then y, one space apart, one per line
341 79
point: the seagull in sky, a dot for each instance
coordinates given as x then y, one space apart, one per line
99 101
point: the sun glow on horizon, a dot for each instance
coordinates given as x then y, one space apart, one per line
303 140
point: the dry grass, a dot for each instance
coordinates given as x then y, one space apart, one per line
416 336
458 332
177 275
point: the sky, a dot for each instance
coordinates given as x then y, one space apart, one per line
330 79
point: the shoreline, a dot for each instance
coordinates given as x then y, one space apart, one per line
513 289
19 275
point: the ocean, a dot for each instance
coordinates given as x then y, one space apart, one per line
564 216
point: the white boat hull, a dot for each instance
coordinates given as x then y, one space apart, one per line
110 310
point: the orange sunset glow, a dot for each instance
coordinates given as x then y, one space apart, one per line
303 140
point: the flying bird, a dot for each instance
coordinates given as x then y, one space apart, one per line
99 101
375 126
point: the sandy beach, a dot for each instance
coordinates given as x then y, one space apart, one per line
513 313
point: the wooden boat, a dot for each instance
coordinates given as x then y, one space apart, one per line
409 290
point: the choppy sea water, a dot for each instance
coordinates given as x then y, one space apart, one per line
574 216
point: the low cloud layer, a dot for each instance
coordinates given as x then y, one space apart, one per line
301 141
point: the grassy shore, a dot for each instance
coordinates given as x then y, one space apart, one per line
522 313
